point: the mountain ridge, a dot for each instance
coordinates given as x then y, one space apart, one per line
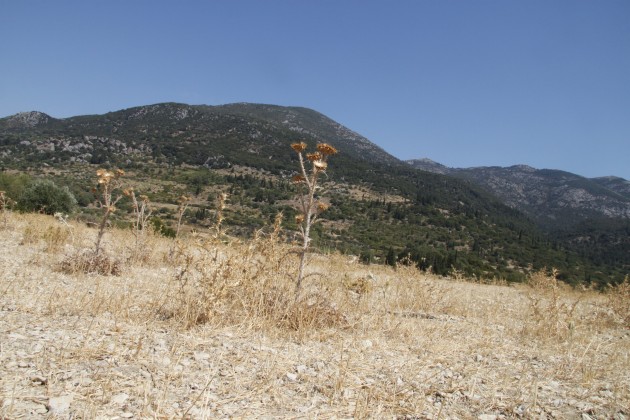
544 193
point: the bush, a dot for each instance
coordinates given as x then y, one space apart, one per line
46 197
13 185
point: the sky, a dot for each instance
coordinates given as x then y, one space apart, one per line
466 83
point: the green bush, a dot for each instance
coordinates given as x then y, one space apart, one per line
13 184
46 197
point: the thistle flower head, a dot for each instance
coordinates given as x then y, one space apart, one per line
314 156
299 147
127 192
144 198
119 173
299 219
321 207
298 179
320 165
104 176
326 149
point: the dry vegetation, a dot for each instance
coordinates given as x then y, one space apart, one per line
207 326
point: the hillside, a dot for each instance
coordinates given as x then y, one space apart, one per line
382 209
553 198
588 216
199 328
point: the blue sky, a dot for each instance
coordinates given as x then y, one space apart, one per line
465 83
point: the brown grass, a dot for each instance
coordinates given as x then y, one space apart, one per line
208 328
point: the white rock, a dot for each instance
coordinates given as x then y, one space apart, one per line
58 405
120 399
201 356
292 377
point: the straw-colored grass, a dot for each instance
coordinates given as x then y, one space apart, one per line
209 328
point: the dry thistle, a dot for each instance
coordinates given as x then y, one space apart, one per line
219 218
108 183
326 149
182 202
142 213
5 203
309 207
299 147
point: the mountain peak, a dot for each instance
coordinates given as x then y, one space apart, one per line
28 119
525 168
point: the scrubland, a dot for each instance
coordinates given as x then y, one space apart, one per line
209 326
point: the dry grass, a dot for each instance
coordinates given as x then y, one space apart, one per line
619 301
208 328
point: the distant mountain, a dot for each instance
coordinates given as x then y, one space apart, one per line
589 216
381 208
554 199
27 120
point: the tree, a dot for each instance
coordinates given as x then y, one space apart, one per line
45 196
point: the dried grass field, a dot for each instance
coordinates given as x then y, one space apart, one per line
202 327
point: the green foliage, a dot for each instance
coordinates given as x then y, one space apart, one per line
45 196
160 227
14 184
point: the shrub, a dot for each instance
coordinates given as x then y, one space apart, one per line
88 262
46 197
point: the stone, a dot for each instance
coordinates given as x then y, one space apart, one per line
59 405
119 399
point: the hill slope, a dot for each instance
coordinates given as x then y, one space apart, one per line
382 208
590 216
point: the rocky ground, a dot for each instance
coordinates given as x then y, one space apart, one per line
412 346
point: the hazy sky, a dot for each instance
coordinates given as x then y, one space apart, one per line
465 83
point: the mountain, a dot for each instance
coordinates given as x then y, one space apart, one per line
614 183
381 208
589 216
554 199
429 165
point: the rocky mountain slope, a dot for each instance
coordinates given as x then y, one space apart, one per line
555 199
589 216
